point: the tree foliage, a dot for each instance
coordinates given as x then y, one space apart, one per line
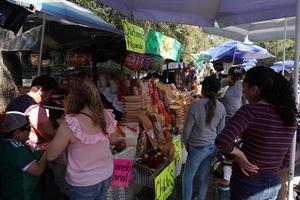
276 49
191 37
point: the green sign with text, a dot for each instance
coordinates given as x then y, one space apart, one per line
158 44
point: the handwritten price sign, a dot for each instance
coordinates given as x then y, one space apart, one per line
122 172
134 37
165 182
177 142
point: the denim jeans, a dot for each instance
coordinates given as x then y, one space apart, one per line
223 193
93 192
254 188
199 158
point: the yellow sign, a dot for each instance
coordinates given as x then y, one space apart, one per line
177 142
165 182
134 37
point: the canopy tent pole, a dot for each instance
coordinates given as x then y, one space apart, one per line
284 46
233 57
167 79
41 45
295 84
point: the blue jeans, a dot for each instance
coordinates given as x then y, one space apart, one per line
93 192
223 192
199 158
254 188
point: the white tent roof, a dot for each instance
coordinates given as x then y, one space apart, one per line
257 31
204 12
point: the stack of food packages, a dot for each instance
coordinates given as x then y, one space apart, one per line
132 106
152 105
178 102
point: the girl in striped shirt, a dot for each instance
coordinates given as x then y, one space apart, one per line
266 127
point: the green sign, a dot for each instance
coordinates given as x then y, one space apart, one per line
158 44
164 183
178 149
134 37
170 48
153 41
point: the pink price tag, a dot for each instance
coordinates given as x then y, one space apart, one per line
122 172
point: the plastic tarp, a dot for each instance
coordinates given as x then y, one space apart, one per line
109 45
68 11
205 12
12 16
256 31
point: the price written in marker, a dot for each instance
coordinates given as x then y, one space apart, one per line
122 172
134 37
165 182
177 142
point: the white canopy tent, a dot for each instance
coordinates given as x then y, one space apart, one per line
275 29
257 31
205 12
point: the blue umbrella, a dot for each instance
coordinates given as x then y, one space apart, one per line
288 65
249 62
234 51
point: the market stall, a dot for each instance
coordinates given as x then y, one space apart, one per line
156 109
150 113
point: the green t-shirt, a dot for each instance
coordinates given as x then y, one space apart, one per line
15 158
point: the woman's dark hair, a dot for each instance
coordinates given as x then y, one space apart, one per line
236 73
44 81
210 86
276 90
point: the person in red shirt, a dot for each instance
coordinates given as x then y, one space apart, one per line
31 104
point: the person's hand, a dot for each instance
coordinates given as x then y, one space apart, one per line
216 181
244 164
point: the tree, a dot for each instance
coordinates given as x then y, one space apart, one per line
276 49
8 88
191 37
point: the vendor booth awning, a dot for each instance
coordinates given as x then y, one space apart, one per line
58 10
13 16
65 10
63 17
110 45
204 12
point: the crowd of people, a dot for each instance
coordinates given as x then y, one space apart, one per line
256 139
243 131
29 145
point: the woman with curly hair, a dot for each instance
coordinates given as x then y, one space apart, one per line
86 133
266 127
